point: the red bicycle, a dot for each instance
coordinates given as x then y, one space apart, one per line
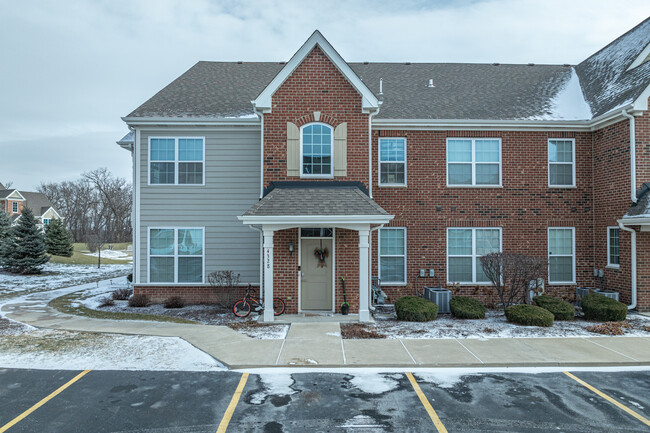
243 307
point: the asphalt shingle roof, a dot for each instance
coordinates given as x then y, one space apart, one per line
641 209
462 90
37 202
323 198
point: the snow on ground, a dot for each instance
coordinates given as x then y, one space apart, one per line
371 383
442 379
56 276
52 349
112 254
274 384
206 314
496 326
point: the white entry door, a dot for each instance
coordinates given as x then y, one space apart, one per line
316 275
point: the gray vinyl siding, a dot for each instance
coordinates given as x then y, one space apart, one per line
232 185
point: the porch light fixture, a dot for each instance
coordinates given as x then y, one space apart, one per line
291 248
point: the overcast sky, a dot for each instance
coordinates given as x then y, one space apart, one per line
70 69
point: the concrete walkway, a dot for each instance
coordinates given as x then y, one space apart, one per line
320 344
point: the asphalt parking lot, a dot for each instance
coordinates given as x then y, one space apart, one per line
189 402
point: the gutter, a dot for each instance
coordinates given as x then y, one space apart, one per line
632 155
622 226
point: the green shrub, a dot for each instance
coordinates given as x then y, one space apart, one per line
466 308
414 309
599 307
560 308
529 315
174 302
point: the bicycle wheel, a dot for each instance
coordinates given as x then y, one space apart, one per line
241 308
278 306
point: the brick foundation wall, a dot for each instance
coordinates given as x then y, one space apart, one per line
190 294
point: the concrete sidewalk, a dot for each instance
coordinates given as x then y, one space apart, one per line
320 344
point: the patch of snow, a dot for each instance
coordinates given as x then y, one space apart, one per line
274 384
334 334
568 103
243 116
109 352
441 379
374 383
112 254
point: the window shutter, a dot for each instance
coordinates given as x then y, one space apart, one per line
293 150
341 150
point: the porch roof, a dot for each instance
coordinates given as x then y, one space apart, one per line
316 202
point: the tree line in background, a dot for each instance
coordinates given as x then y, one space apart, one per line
96 207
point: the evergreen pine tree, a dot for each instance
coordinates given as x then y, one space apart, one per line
23 252
57 239
5 225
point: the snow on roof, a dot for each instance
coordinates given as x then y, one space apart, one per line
568 103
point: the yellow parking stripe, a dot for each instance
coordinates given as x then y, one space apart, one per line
23 415
610 399
425 402
233 404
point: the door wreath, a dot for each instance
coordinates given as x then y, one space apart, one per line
321 254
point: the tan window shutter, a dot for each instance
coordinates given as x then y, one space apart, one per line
341 150
293 149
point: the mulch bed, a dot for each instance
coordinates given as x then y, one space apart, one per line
359 330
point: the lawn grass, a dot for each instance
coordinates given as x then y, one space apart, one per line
78 258
64 305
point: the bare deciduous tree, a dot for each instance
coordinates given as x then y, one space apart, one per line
511 274
98 199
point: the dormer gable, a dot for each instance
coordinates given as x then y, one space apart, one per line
642 58
369 102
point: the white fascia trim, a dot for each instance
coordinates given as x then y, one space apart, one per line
9 197
464 124
641 103
640 58
635 221
316 220
53 210
182 121
369 100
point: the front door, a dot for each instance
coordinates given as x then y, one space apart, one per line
316 274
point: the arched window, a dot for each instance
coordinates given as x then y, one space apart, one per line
316 150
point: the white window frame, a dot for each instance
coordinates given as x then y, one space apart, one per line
176 161
474 256
474 163
317 176
573 256
175 256
379 255
609 263
14 207
46 221
380 162
573 164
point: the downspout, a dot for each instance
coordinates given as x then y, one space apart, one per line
633 263
373 114
632 155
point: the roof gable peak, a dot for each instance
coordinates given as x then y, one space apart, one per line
263 100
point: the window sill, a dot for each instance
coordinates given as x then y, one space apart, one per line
176 184
316 176
562 187
392 185
616 267
567 283
475 186
388 283
486 284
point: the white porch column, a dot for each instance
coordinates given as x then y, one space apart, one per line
268 275
364 269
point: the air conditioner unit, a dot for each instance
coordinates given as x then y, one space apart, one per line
440 297
609 293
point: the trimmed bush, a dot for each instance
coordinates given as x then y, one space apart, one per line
414 309
174 302
599 307
529 315
466 308
122 294
139 301
106 301
560 308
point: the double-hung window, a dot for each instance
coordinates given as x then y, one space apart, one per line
473 162
613 257
465 247
392 161
176 161
561 255
316 150
46 221
392 255
176 255
14 207
561 163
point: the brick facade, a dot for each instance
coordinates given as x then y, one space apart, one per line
524 207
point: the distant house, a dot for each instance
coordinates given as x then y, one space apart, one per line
14 201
